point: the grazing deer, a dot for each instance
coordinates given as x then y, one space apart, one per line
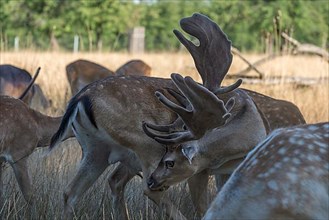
106 117
83 72
13 81
134 67
22 130
286 176
177 165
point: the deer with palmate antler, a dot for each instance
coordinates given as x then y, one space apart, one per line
285 177
22 130
193 153
107 118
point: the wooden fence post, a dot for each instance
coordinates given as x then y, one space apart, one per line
136 40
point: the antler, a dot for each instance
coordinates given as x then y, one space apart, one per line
204 111
213 56
178 124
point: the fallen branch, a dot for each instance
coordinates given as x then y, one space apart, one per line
243 73
300 48
235 51
287 80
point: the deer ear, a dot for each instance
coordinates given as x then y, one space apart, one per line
189 152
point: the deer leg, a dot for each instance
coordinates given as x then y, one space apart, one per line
198 185
1 186
117 181
23 179
92 166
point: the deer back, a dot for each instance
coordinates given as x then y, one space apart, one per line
278 113
134 67
83 72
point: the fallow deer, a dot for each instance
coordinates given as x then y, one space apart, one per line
181 165
107 117
22 130
83 72
13 82
286 176
134 67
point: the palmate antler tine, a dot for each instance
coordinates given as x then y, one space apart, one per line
179 97
171 105
172 138
175 126
195 93
182 137
228 88
213 56
188 44
198 96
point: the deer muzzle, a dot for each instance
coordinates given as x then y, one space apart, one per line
154 185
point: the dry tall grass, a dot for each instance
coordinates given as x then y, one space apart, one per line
51 175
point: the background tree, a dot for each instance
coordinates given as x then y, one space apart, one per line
104 24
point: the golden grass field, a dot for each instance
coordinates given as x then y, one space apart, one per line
312 99
51 174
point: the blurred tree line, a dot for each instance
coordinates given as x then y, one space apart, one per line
104 24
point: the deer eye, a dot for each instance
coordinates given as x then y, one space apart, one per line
169 164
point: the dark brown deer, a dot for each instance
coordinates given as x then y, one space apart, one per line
285 177
83 72
22 130
14 81
107 117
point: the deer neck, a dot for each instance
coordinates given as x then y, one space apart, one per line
47 126
240 134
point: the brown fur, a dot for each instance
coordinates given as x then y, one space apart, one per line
83 72
14 81
22 130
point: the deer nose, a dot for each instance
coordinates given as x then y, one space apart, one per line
150 182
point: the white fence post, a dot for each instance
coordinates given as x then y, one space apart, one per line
136 40
16 43
76 44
